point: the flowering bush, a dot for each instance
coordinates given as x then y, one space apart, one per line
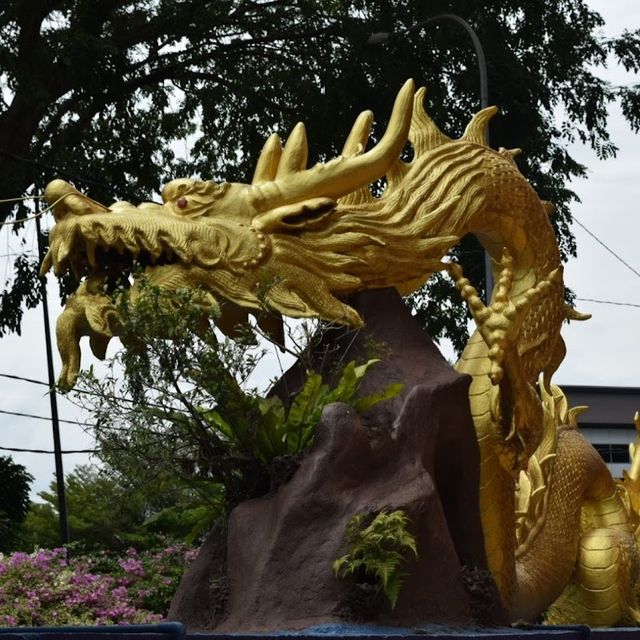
50 587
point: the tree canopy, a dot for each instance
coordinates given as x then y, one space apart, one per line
120 96
14 502
111 511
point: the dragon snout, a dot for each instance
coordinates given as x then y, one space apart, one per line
66 201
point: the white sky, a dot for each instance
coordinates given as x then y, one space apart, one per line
602 351
606 349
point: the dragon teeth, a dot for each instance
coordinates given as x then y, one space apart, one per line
61 256
90 248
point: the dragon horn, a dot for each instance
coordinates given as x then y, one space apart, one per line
574 314
478 128
267 166
343 175
295 153
273 162
359 135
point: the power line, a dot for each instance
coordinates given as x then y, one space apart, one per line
83 392
31 380
35 417
611 251
67 174
618 304
14 254
46 451
36 216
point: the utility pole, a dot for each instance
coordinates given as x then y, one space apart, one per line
57 447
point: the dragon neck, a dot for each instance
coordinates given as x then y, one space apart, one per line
511 218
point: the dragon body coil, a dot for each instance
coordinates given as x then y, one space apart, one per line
559 532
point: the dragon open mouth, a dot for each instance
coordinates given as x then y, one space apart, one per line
112 265
109 250
102 243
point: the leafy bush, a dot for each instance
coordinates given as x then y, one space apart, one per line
109 511
48 587
272 430
377 550
186 408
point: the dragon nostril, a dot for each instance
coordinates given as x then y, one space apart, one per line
182 203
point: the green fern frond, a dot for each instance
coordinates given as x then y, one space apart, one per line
378 549
393 587
263 428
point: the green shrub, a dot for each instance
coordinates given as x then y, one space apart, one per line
270 430
186 410
378 550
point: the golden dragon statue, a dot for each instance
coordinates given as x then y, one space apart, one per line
559 532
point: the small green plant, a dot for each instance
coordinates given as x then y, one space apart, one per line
271 430
378 550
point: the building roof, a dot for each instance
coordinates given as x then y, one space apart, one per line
608 406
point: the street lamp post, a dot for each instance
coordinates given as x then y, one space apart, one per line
384 36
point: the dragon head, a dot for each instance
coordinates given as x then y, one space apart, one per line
293 242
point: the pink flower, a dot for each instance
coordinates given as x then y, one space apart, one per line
18 558
190 554
132 566
48 588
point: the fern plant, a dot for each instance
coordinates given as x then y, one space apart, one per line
378 550
267 429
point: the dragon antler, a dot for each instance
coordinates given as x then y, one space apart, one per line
284 192
281 176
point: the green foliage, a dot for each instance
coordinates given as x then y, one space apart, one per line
155 412
185 407
190 518
103 94
377 550
24 291
108 511
278 431
14 502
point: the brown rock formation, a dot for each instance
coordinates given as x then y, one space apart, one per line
415 452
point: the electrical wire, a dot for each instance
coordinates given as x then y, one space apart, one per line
618 304
35 417
35 215
14 254
67 174
82 392
17 450
31 380
611 251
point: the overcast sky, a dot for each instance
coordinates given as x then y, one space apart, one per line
602 351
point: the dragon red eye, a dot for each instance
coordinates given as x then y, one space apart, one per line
182 203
